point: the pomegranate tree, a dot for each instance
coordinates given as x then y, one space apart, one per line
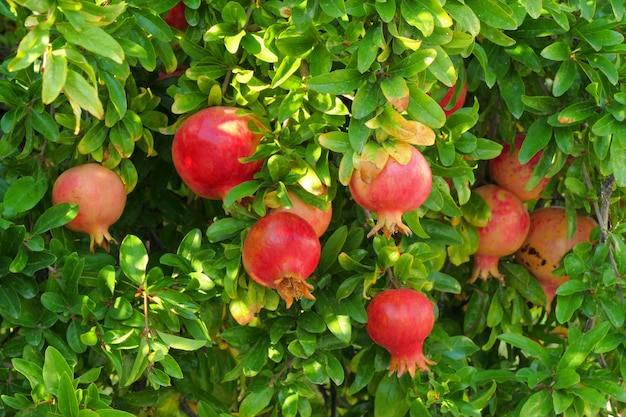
101 198
208 147
547 243
400 320
510 173
395 190
281 250
503 234
319 219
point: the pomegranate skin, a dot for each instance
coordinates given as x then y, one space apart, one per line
317 218
207 148
547 243
503 235
397 189
400 320
176 17
101 198
281 250
459 102
507 171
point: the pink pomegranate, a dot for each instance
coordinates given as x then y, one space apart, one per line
207 149
101 198
281 251
396 190
504 233
317 218
547 243
510 173
400 320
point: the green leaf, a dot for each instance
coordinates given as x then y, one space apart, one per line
45 124
134 259
31 47
117 94
557 51
83 94
286 68
153 24
567 305
66 397
333 8
53 78
338 82
32 371
94 39
54 367
564 78
369 47
537 137
332 248
24 194
512 88
494 13
181 343
390 399
335 317
225 228
578 350
256 401
577 112
529 346
538 404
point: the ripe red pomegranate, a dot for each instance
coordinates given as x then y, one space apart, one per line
547 243
507 171
207 148
101 198
281 251
396 190
400 320
176 17
317 218
504 233
460 101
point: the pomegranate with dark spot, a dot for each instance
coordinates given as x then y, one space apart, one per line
547 243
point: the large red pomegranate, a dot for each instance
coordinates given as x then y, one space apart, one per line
319 219
281 250
207 149
400 320
510 173
547 243
504 233
101 198
396 190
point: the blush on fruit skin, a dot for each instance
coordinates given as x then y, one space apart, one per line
317 218
397 189
507 171
101 198
503 235
547 243
207 148
281 250
176 17
400 320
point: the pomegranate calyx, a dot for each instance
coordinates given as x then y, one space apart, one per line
100 238
389 223
293 288
410 364
486 267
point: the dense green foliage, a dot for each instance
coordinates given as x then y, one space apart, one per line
167 323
